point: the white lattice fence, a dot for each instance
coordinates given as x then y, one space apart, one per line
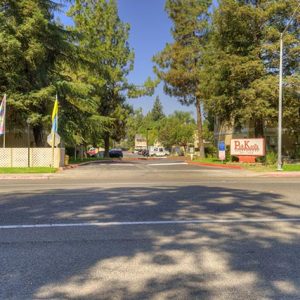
19 157
39 157
5 157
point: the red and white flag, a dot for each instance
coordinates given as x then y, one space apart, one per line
2 115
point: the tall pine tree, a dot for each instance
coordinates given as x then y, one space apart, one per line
157 111
31 44
180 63
242 59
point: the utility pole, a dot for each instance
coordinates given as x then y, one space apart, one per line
279 147
28 142
147 138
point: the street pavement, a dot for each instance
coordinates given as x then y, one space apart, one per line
150 230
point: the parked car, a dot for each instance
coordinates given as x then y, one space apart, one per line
141 151
116 153
92 152
145 152
158 151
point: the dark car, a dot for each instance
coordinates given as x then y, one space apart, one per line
145 152
115 153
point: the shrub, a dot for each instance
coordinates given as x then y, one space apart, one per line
211 151
271 158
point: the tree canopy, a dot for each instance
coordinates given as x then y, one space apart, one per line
179 63
241 63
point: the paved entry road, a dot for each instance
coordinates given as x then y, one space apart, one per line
150 230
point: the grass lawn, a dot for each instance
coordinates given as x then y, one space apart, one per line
254 167
208 160
27 170
291 167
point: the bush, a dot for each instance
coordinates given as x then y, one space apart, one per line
211 151
228 156
271 158
234 158
261 159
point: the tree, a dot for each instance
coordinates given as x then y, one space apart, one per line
177 129
106 59
157 112
180 63
106 56
242 59
133 126
31 46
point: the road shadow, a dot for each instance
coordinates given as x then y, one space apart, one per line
184 261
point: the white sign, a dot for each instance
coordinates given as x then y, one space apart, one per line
222 155
56 139
251 147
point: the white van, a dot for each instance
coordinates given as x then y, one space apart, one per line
158 151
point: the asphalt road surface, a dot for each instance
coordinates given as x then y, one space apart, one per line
150 230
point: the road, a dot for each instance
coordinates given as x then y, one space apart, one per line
150 230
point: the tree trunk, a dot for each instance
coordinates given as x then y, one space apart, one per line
106 144
38 135
199 127
259 128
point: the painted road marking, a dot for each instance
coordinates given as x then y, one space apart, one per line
168 164
171 222
119 165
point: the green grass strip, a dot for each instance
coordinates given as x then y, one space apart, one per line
291 168
37 170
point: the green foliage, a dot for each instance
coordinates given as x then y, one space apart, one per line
211 151
177 130
241 63
86 65
179 63
271 158
39 170
291 168
32 46
157 110
105 61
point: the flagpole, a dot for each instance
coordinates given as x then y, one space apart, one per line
59 154
53 142
4 123
53 137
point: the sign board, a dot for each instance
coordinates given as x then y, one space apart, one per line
222 155
248 147
56 139
222 146
222 150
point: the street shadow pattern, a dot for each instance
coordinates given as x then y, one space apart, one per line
183 261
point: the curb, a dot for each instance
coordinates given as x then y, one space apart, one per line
215 165
24 177
290 174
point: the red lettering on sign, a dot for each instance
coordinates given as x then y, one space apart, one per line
237 144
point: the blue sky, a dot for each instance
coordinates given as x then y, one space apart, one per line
150 31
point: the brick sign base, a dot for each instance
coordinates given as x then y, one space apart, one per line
246 159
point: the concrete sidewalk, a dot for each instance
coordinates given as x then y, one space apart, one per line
25 176
282 174
254 173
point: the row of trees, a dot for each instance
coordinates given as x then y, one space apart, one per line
177 129
86 65
225 61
